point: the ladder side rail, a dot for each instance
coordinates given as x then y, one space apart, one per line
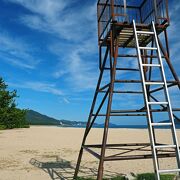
146 102
148 93
168 98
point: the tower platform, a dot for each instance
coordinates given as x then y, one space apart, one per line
125 35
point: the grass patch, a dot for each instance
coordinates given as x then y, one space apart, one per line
145 176
113 178
151 176
26 126
79 178
2 127
118 178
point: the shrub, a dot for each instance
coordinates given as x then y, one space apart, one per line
151 176
11 117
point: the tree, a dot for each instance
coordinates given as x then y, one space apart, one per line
10 115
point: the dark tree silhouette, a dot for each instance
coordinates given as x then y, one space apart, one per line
10 115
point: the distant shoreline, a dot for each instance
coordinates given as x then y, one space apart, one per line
118 127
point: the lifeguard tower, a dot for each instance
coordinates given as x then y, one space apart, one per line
124 26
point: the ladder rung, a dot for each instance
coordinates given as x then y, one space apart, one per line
161 124
152 65
148 48
154 83
168 170
165 146
157 103
124 69
144 32
134 56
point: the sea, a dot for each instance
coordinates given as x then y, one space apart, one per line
126 126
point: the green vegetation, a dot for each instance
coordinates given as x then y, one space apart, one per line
35 118
11 117
2 127
151 176
145 176
84 178
114 178
117 178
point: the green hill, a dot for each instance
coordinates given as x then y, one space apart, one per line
35 118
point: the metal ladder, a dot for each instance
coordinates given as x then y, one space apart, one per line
151 124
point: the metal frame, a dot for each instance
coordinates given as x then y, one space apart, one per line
112 43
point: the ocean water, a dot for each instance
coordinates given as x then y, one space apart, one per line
142 127
126 127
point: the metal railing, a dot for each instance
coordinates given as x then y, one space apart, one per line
104 11
122 12
149 12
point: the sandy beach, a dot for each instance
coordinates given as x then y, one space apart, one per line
43 152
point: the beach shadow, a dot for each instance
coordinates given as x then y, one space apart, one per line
63 170
59 169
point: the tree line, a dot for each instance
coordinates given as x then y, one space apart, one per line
10 116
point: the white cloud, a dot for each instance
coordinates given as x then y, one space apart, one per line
59 73
54 18
77 26
66 100
16 52
17 62
46 7
83 75
76 64
38 86
173 32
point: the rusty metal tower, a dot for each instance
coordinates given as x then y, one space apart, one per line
124 26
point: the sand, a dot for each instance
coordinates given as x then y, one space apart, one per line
47 153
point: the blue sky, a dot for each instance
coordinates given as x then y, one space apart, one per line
49 53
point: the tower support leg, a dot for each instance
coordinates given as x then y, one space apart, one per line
89 125
106 126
